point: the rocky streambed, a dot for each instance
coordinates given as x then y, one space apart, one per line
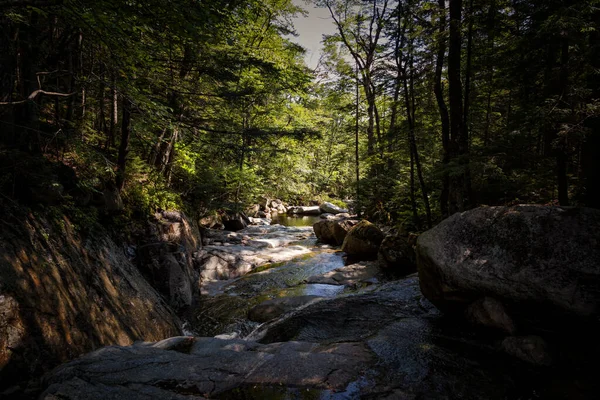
306 326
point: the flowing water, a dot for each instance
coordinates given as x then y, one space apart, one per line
225 304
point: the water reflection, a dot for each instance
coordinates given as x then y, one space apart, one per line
293 220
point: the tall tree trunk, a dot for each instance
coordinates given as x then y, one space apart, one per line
124 145
409 99
356 141
413 201
444 117
114 114
464 143
560 146
458 198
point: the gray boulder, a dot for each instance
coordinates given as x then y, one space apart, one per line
331 208
541 262
305 210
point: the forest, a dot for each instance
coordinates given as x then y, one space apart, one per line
191 209
417 109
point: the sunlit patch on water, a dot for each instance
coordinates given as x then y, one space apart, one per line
312 289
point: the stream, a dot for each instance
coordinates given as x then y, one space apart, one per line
225 303
340 332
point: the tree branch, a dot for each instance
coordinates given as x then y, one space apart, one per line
33 95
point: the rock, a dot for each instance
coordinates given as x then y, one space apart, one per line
305 210
211 368
490 313
12 329
62 295
235 222
259 221
333 231
293 210
541 262
330 208
396 256
275 203
351 275
112 199
412 239
327 216
211 222
253 211
166 257
324 231
363 240
228 255
274 308
531 349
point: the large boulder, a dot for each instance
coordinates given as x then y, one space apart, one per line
330 208
333 231
396 256
363 240
166 254
62 295
541 262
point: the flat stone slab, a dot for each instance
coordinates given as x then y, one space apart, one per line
199 368
274 308
350 275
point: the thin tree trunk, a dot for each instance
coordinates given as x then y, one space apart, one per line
458 150
560 146
356 142
124 145
444 117
114 115
414 154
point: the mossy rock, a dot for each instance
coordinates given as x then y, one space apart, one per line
363 240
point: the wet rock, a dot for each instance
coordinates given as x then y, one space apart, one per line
331 208
227 255
274 308
541 262
396 256
531 349
490 313
350 275
363 240
259 221
348 318
211 367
